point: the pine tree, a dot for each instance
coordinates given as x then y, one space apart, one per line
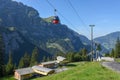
9 66
117 48
21 63
34 57
48 58
70 57
77 57
1 56
98 49
44 59
26 60
84 54
112 54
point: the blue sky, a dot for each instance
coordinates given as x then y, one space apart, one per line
104 14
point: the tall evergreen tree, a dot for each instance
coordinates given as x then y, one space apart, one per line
48 58
117 48
34 57
26 60
21 63
44 59
1 56
9 66
112 54
77 57
70 57
98 49
84 52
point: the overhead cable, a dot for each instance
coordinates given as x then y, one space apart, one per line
78 15
61 14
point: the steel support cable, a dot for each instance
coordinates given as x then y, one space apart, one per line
69 22
62 16
78 15
50 4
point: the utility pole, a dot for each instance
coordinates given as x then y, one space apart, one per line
92 41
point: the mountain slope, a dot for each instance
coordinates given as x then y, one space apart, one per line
30 28
108 41
17 44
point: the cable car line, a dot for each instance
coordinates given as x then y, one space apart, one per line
51 5
56 19
77 15
62 16
76 12
59 12
69 22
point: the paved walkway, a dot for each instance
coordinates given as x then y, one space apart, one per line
60 69
112 65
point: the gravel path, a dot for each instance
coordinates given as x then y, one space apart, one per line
112 65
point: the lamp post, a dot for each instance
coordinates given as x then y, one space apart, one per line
92 41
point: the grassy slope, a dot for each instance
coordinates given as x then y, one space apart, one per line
8 78
81 71
117 60
87 71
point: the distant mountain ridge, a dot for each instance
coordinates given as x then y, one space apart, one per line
109 40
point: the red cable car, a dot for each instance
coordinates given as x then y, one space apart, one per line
55 20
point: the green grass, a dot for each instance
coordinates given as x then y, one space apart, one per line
7 78
117 59
81 71
84 71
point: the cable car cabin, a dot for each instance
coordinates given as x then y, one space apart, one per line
55 20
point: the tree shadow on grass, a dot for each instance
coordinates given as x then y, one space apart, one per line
71 65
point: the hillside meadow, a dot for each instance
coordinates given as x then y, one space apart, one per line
81 71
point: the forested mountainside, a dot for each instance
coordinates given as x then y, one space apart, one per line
23 29
109 40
